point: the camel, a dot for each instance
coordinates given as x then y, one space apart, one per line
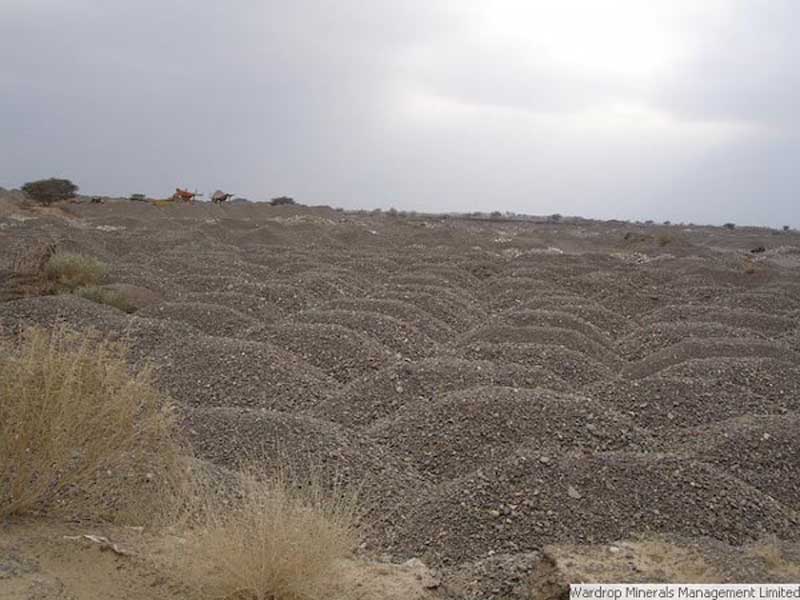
184 195
219 197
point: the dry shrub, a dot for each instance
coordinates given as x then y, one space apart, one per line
80 436
274 539
70 271
664 239
34 261
29 274
102 295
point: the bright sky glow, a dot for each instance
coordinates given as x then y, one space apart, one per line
619 38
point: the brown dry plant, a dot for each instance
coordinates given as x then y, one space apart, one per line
80 435
664 239
29 274
274 538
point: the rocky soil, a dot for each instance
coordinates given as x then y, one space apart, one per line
498 388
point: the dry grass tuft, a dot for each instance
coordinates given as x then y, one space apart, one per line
102 295
277 540
71 271
80 436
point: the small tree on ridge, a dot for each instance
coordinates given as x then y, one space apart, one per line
47 191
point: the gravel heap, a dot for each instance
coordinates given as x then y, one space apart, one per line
545 336
558 319
762 322
253 306
458 433
212 371
424 322
340 352
306 447
572 366
659 402
760 450
212 319
656 336
441 303
609 321
398 336
493 386
523 502
379 395
709 349
777 380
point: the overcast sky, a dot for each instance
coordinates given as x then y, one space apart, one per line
673 109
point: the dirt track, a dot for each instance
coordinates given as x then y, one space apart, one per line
495 386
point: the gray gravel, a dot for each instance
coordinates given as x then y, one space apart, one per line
493 386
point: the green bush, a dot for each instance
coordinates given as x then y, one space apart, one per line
71 271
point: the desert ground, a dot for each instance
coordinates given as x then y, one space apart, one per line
513 398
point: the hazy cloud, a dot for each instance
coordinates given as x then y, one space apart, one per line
668 110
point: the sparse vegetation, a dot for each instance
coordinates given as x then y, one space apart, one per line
279 540
634 237
47 191
282 201
102 295
82 437
730 226
30 271
137 197
786 228
295 348
79 434
664 239
69 271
